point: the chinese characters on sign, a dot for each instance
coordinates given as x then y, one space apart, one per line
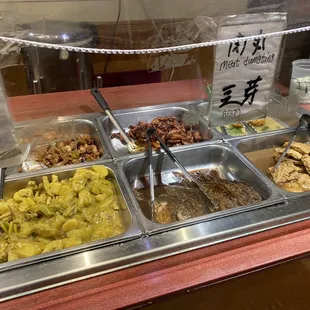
257 44
244 69
249 93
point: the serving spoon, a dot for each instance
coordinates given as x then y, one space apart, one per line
132 146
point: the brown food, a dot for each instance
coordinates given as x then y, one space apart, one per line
292 186
185 200
301 148
284 173
293 174
290 153
227 194
257 122
172 131
306 161
82 149
237 125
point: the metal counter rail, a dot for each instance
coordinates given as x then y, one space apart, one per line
63 270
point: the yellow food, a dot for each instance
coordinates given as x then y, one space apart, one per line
265 124
59 214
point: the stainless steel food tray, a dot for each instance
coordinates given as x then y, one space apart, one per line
286 121
268 141
14 183
221 157
184 111
84 124
79 266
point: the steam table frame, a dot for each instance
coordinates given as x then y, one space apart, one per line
176 274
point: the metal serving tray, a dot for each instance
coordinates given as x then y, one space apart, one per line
15 183
288 121
83 124
220 157
132 116
264 158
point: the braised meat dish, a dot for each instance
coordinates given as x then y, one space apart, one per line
81 149
172 131
185 200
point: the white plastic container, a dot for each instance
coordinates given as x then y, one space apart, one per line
300 83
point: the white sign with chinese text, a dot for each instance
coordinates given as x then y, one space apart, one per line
244 70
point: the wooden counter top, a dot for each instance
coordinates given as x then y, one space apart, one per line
144 283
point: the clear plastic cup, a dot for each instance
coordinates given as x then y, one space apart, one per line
300 83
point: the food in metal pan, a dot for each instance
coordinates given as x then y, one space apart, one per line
171 130
265 124
55 215
293 173
184 200
236 129
81 149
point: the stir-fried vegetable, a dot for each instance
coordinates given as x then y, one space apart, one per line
59 214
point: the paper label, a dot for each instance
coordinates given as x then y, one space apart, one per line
244 72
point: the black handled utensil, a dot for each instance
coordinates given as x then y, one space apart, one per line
132 147
304 119
2 177
152 131
149 133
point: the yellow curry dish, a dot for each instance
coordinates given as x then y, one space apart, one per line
56 215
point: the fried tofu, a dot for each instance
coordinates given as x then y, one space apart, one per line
306 162
290 153
302 148
285 172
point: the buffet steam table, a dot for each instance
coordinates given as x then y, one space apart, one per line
178 274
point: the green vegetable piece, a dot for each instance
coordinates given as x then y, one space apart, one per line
53 246
12 255
70 210
102 170
22 194
3 207
46 210
43 240
69 242
40 199
26 228
67 193
45 230
11 228
85 198
55 188
83 234
15 228
46 185
28 249
87 173
70 225
32 185
78 183
5 226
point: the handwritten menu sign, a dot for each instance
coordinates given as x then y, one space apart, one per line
244 70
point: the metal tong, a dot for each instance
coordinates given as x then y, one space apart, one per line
149 133
304 120
132 147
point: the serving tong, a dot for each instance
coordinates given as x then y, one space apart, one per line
152 132
304 120
132 146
